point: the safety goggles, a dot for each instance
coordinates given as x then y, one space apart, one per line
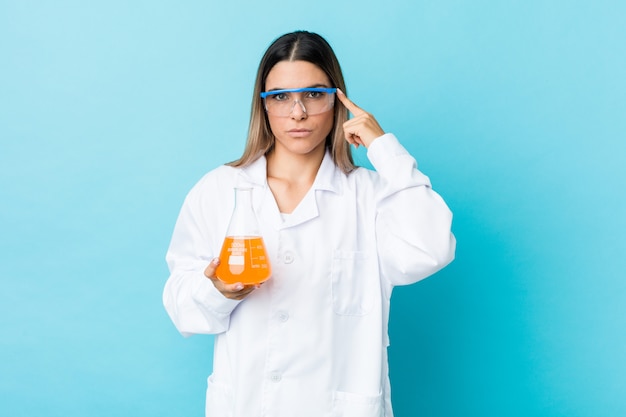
312 100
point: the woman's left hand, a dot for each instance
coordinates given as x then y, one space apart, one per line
363 128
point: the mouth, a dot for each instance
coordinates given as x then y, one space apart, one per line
299 133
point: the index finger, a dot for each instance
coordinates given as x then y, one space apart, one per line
356 110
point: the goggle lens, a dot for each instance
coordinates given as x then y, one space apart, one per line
313 101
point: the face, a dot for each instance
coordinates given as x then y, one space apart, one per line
299 133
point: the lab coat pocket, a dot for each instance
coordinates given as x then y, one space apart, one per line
347 404
218 399
351 288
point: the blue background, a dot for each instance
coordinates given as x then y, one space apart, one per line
111 110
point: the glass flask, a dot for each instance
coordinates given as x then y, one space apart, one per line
243 257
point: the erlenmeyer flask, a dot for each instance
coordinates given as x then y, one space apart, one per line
243 257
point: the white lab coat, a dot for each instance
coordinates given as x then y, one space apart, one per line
312 341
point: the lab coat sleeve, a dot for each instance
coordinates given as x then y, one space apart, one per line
190 298
413 223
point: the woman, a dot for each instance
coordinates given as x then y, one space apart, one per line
312 340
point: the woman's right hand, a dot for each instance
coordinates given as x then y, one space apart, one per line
236 291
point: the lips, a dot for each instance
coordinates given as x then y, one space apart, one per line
299 133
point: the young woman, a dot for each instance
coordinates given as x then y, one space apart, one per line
312 339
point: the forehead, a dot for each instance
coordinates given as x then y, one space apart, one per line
295 74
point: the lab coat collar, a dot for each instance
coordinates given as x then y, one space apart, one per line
256 172
328 178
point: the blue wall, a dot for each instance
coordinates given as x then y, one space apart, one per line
110 111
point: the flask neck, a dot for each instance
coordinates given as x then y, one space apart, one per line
243 222
243 198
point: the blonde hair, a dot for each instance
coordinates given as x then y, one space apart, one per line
297 46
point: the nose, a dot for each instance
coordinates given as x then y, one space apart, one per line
298 111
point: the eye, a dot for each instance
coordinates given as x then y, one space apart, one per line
279 97
315 95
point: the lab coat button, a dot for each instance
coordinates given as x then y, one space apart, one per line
283 316
288 258
275 377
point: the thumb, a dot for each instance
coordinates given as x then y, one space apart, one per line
209 271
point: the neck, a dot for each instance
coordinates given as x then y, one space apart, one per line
294 168
290 176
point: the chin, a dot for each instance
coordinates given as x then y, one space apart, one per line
301 146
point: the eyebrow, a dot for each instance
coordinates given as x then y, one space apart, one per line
310 86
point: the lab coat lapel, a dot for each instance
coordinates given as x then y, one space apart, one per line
255 175
306 210
325 180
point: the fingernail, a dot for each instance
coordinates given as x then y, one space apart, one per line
239 286
216 261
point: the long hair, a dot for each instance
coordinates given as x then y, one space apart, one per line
297 46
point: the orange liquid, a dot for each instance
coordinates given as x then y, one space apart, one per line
243 259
